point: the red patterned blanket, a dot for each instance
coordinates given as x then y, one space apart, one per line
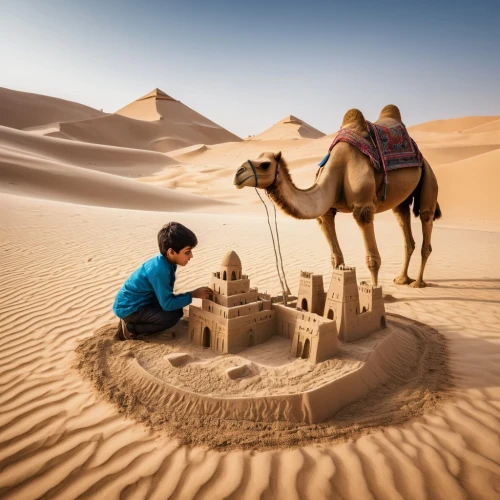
387 148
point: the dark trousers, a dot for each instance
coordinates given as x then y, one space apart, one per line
151 319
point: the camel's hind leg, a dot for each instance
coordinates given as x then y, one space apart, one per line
428 210
402 213
427 219
327 224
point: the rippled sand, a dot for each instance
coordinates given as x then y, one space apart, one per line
61 266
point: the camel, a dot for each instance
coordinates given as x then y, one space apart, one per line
348 183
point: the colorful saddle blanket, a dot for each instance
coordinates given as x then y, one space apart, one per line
387 148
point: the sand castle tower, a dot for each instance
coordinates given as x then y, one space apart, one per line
234 318
311 295
357 310
230 267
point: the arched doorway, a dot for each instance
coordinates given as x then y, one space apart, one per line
330 314
233 276
307 348
224 276
382 322
251 340
304 305
206 337
299 348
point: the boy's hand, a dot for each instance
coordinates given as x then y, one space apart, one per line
204 292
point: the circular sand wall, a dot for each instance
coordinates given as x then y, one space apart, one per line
396 374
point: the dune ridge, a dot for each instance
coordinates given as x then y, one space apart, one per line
23 110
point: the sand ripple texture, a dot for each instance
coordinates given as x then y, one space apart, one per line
61 266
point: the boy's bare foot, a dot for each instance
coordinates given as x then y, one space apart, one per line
123 333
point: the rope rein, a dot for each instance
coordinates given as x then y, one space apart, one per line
285 291
279 249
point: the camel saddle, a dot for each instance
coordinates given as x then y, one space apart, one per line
388 148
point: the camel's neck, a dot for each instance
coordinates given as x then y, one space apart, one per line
307 203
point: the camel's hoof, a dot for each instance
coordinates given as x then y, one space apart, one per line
418 284
403 280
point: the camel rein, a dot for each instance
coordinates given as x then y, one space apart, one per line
284 287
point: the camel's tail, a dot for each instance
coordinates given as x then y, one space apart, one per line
426 178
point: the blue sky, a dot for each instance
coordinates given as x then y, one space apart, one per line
247 65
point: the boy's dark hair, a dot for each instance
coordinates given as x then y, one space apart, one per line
175 236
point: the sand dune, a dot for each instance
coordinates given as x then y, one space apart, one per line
120 161
290 127
439 154
453 124
61 266
23 110
468 189
41 178
153 122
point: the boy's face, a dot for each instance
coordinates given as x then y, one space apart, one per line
181 258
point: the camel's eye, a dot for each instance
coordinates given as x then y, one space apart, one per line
265 165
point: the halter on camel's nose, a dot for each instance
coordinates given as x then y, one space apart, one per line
241 170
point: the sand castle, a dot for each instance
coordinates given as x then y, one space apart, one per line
237 316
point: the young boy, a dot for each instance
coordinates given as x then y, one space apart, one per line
146 303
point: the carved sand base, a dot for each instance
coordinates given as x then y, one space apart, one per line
270 400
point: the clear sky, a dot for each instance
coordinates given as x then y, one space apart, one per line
248 64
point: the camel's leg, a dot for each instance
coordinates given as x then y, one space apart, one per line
327 224
402 213
427 219
364 217
428 206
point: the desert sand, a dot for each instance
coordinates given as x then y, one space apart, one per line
78 216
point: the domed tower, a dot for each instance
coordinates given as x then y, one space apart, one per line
230 268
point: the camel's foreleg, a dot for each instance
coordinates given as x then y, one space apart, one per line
327 224
402 213
427 219
364 217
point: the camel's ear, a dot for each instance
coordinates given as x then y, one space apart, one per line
277 156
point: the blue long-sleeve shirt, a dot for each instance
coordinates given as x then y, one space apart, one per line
153 281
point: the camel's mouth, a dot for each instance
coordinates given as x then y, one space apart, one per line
238 184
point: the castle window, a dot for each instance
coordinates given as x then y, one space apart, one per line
224 276
330 314
233 276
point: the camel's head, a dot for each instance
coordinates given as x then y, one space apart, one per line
265 168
